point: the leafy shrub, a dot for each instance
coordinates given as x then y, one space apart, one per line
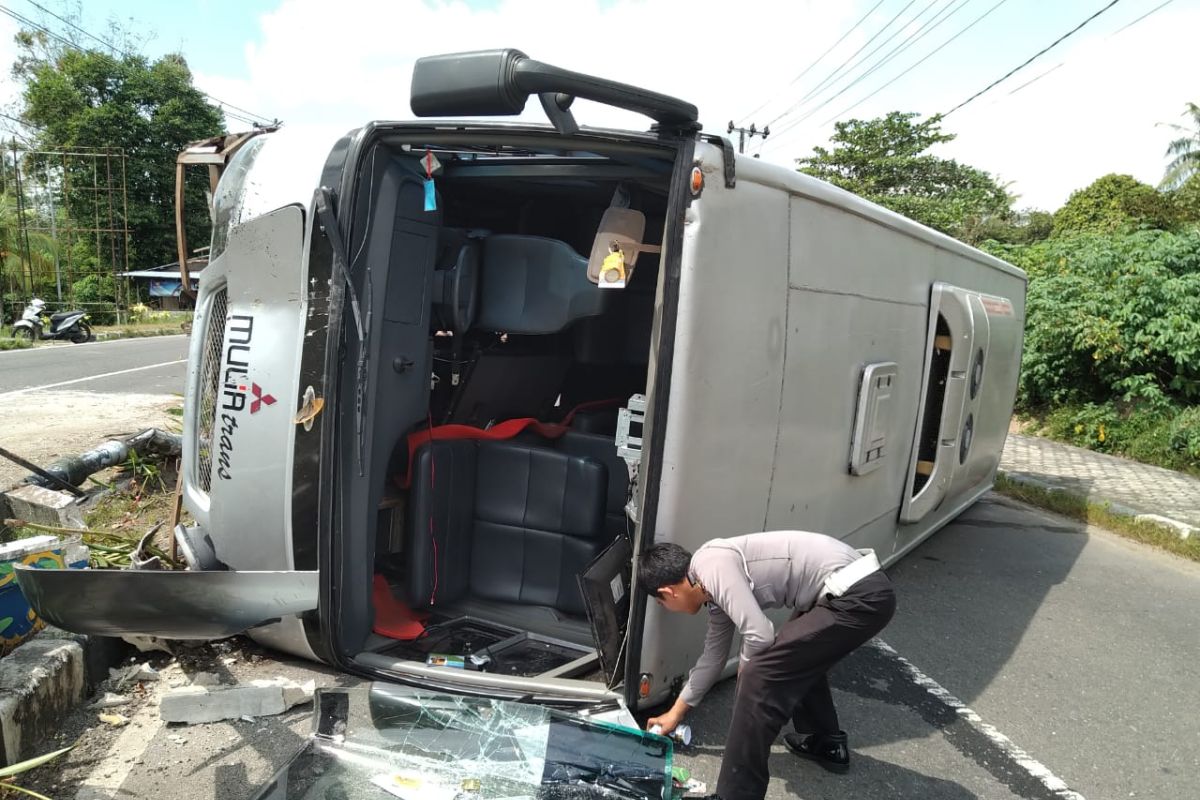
1111 317
7 343
97 290
1184 437
1168 437
1113 204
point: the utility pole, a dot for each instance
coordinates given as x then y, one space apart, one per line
752 131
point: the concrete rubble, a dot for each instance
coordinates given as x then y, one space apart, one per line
122 676
110 700
42 506
213 703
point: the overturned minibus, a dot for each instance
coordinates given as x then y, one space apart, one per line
448 379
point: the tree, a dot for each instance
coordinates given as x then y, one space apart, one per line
1187 200
1112 316
84 99
885 160
1114 204
1027 226
1184 152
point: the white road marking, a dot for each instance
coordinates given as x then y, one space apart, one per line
73 347
16 392
1035 768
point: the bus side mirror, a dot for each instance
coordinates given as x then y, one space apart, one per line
482 83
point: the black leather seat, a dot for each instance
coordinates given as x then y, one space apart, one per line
510 522
603 448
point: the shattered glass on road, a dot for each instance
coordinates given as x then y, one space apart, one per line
396 741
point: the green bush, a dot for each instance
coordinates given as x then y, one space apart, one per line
1113 204
97 290
14 344
1111 318
1184 437
1168 437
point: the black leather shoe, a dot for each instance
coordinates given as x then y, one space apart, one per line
829 749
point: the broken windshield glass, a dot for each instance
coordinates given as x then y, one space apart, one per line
415 744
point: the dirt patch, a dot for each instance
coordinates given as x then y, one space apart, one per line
230 760
45 426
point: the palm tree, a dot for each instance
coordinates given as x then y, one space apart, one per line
1184 152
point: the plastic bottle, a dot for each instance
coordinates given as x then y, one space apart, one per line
682 733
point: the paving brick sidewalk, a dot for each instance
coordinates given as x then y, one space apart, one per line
1103 478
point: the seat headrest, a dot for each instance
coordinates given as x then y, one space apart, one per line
534 285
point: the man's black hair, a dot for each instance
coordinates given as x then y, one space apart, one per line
662 565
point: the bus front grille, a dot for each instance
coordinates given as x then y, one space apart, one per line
210 386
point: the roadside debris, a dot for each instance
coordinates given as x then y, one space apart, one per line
206 679
195 704
113 719
149 644
74 470
107 550
135 672
110 700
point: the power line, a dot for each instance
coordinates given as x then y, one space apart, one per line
25 21
841 66
1116 33
975 22
245 116
70 24
1154 10
1031 59
806 70
917 35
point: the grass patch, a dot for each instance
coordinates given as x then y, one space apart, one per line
130 511
135 331
1099 514
9 343
1166 436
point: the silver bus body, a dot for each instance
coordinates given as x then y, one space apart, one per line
808 360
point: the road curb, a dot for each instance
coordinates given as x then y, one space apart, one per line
43 680
1183 529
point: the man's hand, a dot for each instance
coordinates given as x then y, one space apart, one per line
669 721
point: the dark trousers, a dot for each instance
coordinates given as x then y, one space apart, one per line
788 679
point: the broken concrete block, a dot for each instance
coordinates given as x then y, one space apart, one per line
45 507
206 679
194 704
40 683
110 700
135 672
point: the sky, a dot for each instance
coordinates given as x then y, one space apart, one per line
1099 102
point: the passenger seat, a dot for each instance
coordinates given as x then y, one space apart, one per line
511 522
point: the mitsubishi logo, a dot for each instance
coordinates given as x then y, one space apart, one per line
260 399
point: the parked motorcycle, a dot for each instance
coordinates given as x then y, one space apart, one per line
36 324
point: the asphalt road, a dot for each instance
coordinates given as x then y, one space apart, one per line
1074 648
151 365
1030 658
